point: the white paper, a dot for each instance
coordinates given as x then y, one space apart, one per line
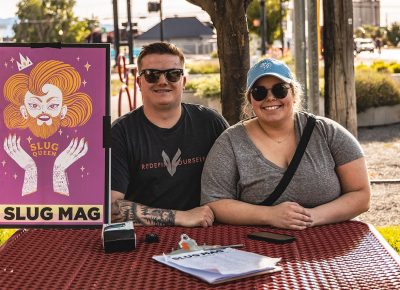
221 264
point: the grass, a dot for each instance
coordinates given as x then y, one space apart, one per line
203 67
392 236
5 234
116 85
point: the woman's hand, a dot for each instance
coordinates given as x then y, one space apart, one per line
290 215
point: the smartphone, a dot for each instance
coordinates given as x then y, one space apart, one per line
271 237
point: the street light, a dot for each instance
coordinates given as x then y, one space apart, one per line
263 26
155 7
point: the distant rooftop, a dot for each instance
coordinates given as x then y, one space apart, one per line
178 27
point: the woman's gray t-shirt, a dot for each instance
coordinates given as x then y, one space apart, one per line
236 169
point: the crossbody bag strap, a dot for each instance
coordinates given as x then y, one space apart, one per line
294 163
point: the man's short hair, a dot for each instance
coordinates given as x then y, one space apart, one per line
160 48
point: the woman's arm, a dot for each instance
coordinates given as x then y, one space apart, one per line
355 198
287 215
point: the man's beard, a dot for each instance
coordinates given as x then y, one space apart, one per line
44 131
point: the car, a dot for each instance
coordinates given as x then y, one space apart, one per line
364 44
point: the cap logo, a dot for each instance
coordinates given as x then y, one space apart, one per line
265 65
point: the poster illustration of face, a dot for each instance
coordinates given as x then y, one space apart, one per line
52 160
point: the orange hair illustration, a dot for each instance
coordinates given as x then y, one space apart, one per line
59 74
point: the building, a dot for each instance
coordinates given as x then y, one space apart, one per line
6 31
366 12
188 33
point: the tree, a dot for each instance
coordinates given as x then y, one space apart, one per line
340 95
229 19
49 21
273 16
367 31
393 34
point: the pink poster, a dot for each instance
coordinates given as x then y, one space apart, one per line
53 167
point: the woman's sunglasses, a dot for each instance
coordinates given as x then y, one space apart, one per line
279 91
152 75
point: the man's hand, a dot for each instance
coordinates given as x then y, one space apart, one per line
198 216
290 215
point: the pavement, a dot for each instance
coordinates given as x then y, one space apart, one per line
386 55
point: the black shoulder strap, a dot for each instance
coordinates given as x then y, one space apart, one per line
294 163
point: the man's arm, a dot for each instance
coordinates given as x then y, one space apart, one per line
125 210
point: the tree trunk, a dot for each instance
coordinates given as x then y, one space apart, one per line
229 19
340 96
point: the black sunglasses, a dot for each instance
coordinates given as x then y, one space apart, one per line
279 91
152 75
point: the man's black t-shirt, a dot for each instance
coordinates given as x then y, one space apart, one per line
161 167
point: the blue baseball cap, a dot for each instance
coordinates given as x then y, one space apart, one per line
269 67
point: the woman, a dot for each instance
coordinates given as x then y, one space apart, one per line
249 159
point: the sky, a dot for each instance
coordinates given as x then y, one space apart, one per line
390 10
104 11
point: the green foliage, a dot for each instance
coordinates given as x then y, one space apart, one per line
374 89
205 87
393 34
381 66
49 21
214 54
394 68
392 236
203 67
5 234
370 31
367 31
272 14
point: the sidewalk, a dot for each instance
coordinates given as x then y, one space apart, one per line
125 104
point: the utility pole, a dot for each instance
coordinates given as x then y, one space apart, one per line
281 27
300 45
161 24
313 56
116 30
130 31
263 27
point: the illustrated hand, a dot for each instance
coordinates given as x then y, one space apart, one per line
290 215
198 216
72 153
12 146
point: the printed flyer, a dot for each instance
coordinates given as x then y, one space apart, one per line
53 167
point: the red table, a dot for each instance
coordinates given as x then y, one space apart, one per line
350 255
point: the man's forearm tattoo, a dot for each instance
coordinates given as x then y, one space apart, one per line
158 217
124 210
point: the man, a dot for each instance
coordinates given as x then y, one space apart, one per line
159 149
